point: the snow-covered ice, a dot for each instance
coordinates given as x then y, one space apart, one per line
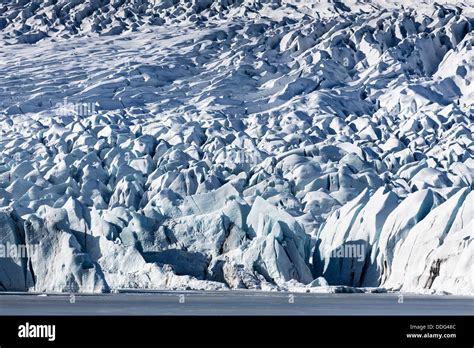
312 146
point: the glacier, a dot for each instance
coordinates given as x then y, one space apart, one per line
306 146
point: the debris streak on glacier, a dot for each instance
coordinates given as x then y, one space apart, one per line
315 146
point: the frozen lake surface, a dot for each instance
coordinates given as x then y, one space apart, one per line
234 303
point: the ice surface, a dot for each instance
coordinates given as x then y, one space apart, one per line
280 145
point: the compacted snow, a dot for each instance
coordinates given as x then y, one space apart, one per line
316 146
